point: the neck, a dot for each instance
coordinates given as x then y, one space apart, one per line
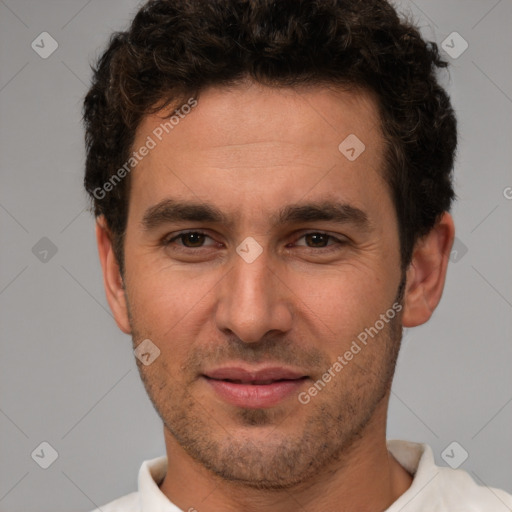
366 478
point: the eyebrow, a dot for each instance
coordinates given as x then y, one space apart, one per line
170 210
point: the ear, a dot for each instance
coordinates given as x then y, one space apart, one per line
426 274
112 280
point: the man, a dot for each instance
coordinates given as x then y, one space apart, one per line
272 186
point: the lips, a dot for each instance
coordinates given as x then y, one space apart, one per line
262 377
254 389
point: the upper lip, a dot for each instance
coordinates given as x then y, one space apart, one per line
262 375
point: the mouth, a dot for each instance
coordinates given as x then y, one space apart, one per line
257 382
254 389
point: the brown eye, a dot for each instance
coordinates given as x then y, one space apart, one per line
188 240
192 239
317 239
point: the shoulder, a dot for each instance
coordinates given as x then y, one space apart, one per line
128 503
442 489
461 491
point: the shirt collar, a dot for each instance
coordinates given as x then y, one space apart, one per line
152 499
418 460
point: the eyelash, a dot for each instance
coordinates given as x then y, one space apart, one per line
168 241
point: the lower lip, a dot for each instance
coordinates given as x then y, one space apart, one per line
255 396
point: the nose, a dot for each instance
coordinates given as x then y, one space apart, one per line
253 300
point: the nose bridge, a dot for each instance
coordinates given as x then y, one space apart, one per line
250 279
251 300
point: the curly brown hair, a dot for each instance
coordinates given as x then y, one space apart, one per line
174 49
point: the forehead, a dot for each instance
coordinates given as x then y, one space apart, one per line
252 137
252 113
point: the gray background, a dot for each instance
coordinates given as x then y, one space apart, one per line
67 374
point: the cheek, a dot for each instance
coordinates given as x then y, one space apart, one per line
170 308
342 303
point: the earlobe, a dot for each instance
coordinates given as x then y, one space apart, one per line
112 280
426 274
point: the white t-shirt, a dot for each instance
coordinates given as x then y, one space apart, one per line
433 489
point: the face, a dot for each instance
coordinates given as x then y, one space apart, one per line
257 256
